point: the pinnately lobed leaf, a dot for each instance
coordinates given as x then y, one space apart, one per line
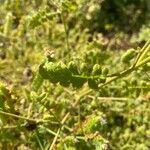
105 71
72 66
63 73
128 56
77 82
37 82
84 69
55 72
92 84
96 69
58 72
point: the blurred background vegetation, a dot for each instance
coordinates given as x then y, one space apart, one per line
94 31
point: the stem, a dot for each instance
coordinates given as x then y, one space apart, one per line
118 75
38 140
11 127
124 73
48 130
148 76
111 98
55 139
131 87
20 117
144 50
141 63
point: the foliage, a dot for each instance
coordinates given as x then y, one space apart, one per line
68 81
110 15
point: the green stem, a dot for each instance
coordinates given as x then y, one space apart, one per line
119 75
144 51
38 140
124 73
55 139
48 130
141 63
20 117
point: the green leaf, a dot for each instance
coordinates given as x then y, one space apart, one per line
37 82
69 6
